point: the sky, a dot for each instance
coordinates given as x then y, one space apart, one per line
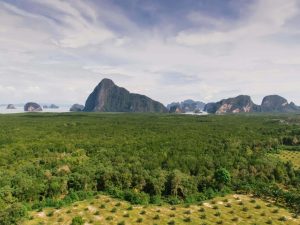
57 51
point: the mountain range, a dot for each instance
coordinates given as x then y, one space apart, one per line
188 105
244 104
108 97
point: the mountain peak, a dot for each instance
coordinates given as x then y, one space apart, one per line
108 97
239 104
276 103
243 103
106 82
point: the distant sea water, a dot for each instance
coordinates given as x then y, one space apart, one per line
20 109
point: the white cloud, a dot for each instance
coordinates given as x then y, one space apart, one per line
61 61
264 18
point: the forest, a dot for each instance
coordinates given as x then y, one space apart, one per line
55 159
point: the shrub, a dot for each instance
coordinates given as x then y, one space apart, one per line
155 199
113 210
188 212
228 205
257 207
140 198
51 213
245 209
235 219
171 222
109 218
275 211
215 207
283 218
203 216
187 206
121 223
139 220
156 217
217 214
77 221
187 219
172 200
60 219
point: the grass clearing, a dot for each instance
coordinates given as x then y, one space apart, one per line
293 156
231 209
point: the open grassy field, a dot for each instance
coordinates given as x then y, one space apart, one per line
293 156
231 209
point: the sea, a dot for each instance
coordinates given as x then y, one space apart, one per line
20 109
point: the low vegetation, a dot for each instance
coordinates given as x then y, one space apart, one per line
203 213
291 156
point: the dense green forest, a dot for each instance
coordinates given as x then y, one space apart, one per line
56 159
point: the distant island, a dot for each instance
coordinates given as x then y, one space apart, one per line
108 97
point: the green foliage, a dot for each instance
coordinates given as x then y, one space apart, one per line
77 221
222 176
142 158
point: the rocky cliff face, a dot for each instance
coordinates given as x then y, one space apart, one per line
10 106
32 107
276 103
76 108
186 106
108 97
243 103
239 104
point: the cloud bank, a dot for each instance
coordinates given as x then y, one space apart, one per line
57 51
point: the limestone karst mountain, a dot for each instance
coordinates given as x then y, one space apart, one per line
32 107
108 97
239 104
186 106
244 104
276 103
76 108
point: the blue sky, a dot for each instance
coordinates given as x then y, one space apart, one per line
57 51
